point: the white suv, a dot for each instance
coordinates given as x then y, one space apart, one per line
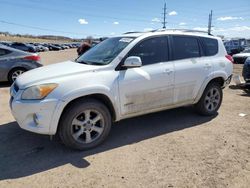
122 77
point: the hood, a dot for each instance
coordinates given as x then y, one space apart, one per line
54 71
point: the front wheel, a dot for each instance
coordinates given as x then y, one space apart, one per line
85 124
210 101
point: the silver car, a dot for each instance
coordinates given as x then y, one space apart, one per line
14 62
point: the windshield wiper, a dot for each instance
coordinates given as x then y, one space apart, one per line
90 63
82 62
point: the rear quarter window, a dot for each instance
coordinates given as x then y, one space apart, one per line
211 46
4 52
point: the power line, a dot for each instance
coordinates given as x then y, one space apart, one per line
44 29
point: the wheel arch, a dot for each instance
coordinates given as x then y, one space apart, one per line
219 79
97 96
15 68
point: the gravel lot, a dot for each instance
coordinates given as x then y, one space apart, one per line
174 148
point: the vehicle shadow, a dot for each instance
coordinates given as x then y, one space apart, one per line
247 93
4 84
23 153
241 87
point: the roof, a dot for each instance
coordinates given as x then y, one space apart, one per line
13 49
169 31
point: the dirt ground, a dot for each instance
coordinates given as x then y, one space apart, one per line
173 148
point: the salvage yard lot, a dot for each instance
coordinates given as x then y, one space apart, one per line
173 148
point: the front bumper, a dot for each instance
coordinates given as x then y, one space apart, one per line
33 115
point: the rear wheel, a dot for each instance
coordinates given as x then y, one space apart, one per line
211 100
13 74
85 124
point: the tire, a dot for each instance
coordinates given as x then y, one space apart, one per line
85 124
210 100
14 73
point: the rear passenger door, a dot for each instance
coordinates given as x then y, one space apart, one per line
150 86
191 68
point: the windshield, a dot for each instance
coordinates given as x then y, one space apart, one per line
105 52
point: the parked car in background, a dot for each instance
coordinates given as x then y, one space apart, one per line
52 47
58 46
246 72
40 48
240 58
6 43
235 46
23 47
14 62
144 73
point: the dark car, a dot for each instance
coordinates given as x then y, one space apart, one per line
246 72
240 58
59 46
52 47
23 47
6 43
40 47
14 62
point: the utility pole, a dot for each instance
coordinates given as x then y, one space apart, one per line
210 18
164 15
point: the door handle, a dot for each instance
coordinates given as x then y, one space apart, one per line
168 71
207 66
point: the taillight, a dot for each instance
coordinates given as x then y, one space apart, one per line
33 57
230 58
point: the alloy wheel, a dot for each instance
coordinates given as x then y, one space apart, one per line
15 74
212 99
87 126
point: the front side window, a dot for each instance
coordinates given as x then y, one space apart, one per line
105 52
153 50
185 47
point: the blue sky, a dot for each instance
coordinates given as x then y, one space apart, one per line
81 18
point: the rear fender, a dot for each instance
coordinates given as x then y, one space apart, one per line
216 74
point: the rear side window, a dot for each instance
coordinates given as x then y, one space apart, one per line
185 47
151 51
211 46
4 52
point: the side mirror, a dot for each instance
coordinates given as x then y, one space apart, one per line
132 61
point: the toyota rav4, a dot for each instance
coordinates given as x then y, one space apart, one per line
122 77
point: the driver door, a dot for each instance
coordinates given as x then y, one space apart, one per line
150 86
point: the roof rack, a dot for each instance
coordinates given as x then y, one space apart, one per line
183 30
131 32
159 30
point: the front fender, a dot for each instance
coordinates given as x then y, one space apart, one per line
74 94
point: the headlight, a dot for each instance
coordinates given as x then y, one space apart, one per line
38 92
